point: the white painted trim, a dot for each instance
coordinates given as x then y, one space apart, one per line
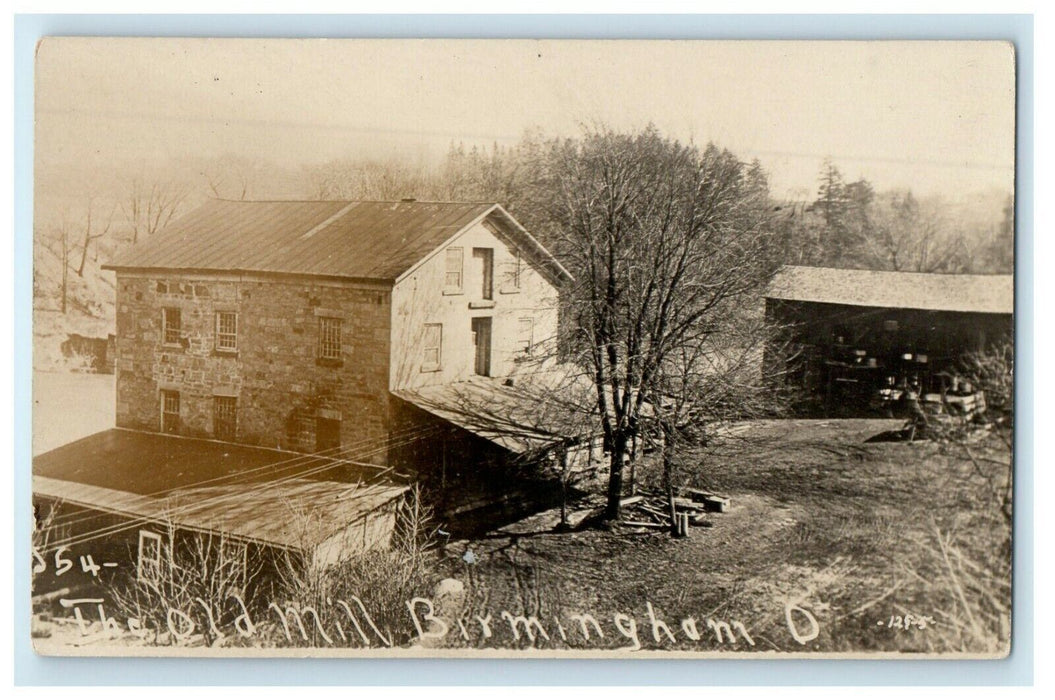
534 241
153 536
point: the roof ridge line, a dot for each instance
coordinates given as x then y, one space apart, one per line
899 272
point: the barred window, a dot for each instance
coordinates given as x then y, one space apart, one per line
226 331
433 354
170 325
452 280
525 331
329 338
224 417
170 412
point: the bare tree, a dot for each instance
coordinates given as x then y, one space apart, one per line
89 236
720 378
908 235
198 575
62 236
151 207
370 179
232 177
666 241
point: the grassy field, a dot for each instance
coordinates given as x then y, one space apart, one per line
824 527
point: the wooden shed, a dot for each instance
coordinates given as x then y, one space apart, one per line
322 508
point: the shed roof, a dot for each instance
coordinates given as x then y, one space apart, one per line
502 415
521 417
990 294
352 239
269 496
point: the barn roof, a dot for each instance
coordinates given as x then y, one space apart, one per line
351 239
991 294
270 496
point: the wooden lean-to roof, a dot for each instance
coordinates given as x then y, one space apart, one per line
269 496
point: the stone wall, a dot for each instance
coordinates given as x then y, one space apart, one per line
281 386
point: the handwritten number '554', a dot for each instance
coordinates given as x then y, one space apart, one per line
62 564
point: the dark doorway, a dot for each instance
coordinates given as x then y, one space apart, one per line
486 258
327 434
482 345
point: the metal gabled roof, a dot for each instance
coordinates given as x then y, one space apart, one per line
352 239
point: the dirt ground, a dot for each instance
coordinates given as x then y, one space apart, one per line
832 544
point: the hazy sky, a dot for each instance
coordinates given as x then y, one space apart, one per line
934 116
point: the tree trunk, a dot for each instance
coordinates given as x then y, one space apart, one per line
65 269
615 478
633 464
668 474
564 488
84 256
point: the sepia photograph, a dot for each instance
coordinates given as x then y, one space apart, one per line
523 348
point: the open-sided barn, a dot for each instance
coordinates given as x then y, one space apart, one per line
850 333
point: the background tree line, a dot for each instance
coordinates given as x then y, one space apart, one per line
844 224
850 224
670 244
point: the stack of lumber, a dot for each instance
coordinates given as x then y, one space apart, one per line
651 510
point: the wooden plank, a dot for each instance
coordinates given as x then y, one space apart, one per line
699 495
636 523
716 504
663 520
654 511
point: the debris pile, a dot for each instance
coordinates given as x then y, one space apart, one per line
652 510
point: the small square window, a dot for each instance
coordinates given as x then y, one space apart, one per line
525 331
433 352
452 279
171 328
226 331
329 338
